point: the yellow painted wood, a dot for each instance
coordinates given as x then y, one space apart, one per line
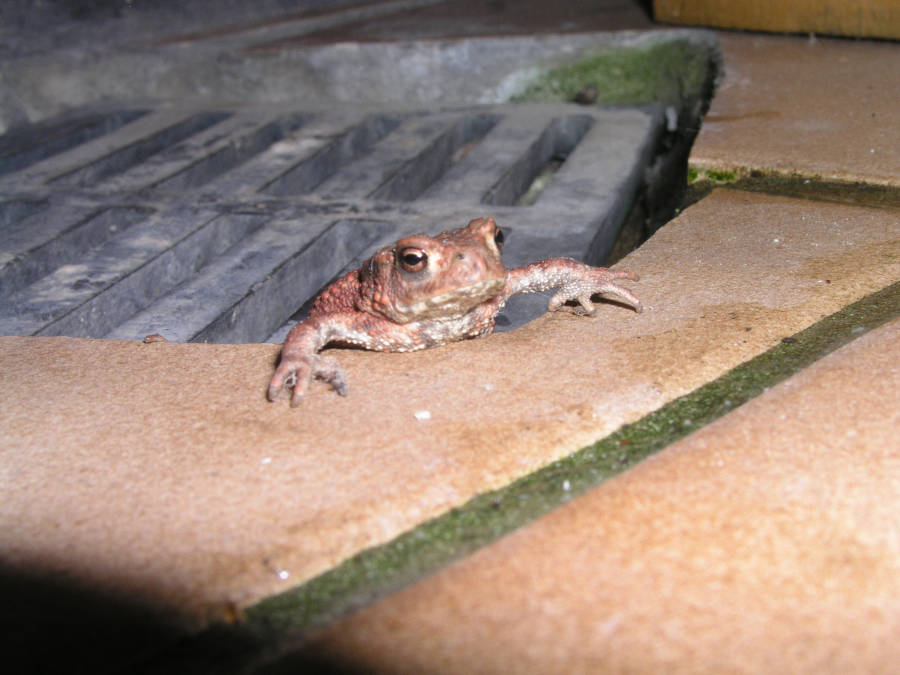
856 18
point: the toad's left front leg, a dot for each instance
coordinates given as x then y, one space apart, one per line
575 281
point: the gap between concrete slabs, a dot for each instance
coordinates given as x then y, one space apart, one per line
226 500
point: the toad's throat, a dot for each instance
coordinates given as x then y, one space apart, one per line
450 304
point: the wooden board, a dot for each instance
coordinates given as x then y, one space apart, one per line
865 18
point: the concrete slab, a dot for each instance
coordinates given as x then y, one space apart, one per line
160 471
766 542
817 107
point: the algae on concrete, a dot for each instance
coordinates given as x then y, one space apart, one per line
668 72
702 181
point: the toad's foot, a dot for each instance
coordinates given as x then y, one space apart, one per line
595 281
295 372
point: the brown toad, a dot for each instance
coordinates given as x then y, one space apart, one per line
423 292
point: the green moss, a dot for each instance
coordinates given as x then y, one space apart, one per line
483 519
702 180
722 176
667 72
814 187
714 176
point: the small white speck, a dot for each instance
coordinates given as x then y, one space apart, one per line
282 574
488 387
687 423
567 485
776 241
266 460
872 151
422 415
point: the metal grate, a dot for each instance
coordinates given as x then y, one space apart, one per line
219 225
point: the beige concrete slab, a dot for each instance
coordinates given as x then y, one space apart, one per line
865 18
821 107
767 542
161 470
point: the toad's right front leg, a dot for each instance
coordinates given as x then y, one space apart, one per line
300 362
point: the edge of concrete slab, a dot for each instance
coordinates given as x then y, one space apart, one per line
373 573
704 178
413 73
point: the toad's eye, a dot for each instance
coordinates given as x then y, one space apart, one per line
499 238
413 259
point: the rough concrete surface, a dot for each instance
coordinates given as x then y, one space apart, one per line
817 107
159 469
766 542
439 72
425 52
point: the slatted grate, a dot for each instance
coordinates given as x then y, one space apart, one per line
218 225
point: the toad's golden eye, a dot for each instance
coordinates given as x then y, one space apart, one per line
413 259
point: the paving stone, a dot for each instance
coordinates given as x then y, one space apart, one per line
816 107
767 541
160 469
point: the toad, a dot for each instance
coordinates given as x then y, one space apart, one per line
427 291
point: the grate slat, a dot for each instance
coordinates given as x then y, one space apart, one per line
180 157
555 141
34 227
493 170
239 297
23 147
36 308
231 154
139 151
363 176
314 170
64 247
14 210
251 177
417 175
